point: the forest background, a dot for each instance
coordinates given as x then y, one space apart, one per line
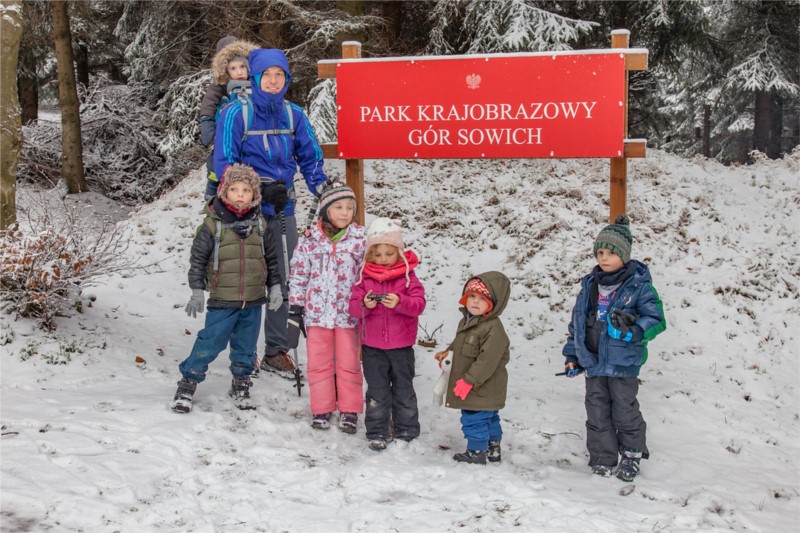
723 77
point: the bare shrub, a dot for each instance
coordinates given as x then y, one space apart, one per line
44 267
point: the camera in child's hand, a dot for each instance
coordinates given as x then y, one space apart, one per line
377 297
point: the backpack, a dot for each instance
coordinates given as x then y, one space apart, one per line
239 91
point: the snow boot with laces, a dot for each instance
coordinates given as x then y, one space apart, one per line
471 456
182 402
240 392
280 363
629 465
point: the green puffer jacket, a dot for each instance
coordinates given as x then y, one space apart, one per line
481 352
246 266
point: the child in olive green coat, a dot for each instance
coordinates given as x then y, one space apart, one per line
478 378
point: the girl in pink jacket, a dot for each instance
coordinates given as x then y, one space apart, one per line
388 300
324 266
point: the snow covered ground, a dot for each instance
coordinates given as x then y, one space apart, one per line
89 443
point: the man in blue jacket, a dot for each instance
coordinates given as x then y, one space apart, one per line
274 137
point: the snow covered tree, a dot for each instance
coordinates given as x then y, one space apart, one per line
474 27
11 136
762 40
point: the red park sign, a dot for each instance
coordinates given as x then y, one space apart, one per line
556 104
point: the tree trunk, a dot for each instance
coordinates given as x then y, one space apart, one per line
762 122
28 87
82 65
270 31
11 139
775 148
706 130
393 12
71 147
355 8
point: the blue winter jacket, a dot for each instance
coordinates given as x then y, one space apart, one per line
616 358
273 156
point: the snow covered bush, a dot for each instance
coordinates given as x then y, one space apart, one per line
120 139
44 268
39 274
178 112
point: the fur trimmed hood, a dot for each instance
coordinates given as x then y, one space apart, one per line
220 61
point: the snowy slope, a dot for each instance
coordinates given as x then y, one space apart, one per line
91 445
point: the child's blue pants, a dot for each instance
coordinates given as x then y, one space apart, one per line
239 326
480 427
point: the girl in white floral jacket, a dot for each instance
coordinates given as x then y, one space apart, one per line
324 267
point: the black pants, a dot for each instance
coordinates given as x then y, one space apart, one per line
613 419
390 393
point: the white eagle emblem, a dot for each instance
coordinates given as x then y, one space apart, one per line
473 81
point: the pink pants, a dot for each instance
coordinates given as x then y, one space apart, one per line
334 370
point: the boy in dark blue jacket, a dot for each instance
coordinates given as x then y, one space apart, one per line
617 313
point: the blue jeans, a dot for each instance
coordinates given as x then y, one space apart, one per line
240 327
480 427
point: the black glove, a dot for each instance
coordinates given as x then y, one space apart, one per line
276 194
208 130
296 326
622 326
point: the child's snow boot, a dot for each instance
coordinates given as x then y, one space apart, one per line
182 402
378 444
240 392
348 422
494 455
321 421
603 470
629 465
471 456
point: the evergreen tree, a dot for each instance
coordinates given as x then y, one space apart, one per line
474 27
762 65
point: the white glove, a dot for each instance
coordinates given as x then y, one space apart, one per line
275 297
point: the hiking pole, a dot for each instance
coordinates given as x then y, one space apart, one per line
286 266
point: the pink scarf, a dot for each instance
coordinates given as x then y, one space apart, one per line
384 273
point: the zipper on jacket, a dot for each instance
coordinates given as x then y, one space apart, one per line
241 269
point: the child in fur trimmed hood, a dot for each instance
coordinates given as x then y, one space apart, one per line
233 257
229 72
478 378
388 299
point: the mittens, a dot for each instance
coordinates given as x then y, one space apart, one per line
462 389
276 194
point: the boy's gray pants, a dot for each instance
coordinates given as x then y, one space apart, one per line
613 419
275 321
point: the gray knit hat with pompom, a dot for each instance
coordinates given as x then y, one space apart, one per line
617 238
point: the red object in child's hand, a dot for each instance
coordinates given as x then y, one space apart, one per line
462 389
